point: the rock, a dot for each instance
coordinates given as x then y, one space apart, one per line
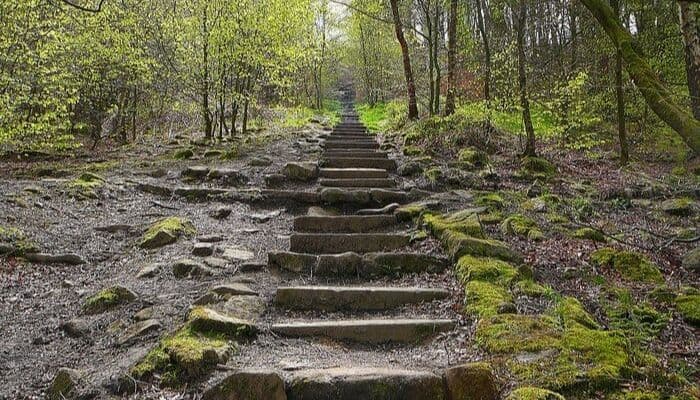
145 314
233 289
42 258
108 299
227 176
139 329
158 173
251 267
507 308
691 261
187 268
203 249
149 271
301 171
238 254
114 228
473 381
315 211
681 207
259 162
206 320
158 190
533 393
262 218
199 193
216 262
345 264
166 231
195 172
33 189
248 385
210 238
183 154
410 168
65 384
534 190
274 180
293 262
354 197
221 213
389 209
76 328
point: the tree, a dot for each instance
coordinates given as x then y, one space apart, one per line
690 27
408 71
620 95
521 22
451 59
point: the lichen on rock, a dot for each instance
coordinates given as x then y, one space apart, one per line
107 299
166 231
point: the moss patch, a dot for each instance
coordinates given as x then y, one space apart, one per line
86 185
484 298
533 168
521 225
528 287
166 231
632 266
533 393
16 241
590 234
410 212
689 307
492 201
183 154
459 244
107 299
473 156
512 334
471 268
465 221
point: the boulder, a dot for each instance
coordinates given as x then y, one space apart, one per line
166 231
107 299
203 249
691 261
681 207
65 384
474 381
140 328
301 171
248 385
187 268
76 328
221 213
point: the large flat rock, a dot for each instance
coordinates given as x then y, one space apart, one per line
368 331
334 243
354 153
357 162
350 144
359 182
343 223
365 384
341 298
350 173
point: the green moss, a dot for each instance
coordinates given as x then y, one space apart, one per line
518 224
637 395
433 174
681 207
637 319
459 244
86 185
541 203
412 151
410 212
231 153
492 201
590 234
183 154
491 218
512 334
528 287
632 266
601 355
166 231
663 294
571 313
465 221
689 307
555 218
472 156
533 393
207 321
17 240
491 270
484 298
107 299
532 168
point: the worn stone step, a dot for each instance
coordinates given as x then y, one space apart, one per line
344 298
334 243
358 182
348 173
343 224
356 162
365 384
368 331
354 153
350 145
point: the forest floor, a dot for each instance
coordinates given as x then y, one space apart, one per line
48 202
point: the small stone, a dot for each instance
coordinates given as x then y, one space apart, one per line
107 299
251 267
507 308
145 314
258 384
114 228
473 381
76 328
221 213
237 254
33 189
691 261
274 180
234 289
149 271
210 238
42 258
195 172
64 384
259 162
188 268
67 283
682 207
139 329
203 249
216 262
262 218
227 176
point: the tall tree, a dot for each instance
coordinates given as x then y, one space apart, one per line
620 94
408 71
521 21
451 59
690 27
481 23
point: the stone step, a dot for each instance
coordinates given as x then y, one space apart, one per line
354 153
343 224
358 182
350 137
349 173
335 243
373 331
365 384
350 145
353 162
344 298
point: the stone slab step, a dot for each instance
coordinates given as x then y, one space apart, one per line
354 153
335 243
365 384
350 145
343 224
344 298
348 173
368 331
358 182
353 162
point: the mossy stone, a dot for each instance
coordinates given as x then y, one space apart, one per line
15 242
533 393
470 268
689 307
64 384
632 266
473 381
681 207
183 154
458 244
520 225
590 234
473 156
166 231
492 201
571 312
465 221
533 168
484 299
108 299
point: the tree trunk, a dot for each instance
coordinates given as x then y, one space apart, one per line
656 94
690 27
451 59
408 72
205 77
620 94
436 58
522 81
487 49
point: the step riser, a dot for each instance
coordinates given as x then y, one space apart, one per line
379 163
343 224
358 153
353 173
350 145
375 332
336 244
353 299
358 183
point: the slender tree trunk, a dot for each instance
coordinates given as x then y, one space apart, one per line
436 58
620 94
656 94
408 72
522 81
480 17
451 59
690 26
205 76
431 57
